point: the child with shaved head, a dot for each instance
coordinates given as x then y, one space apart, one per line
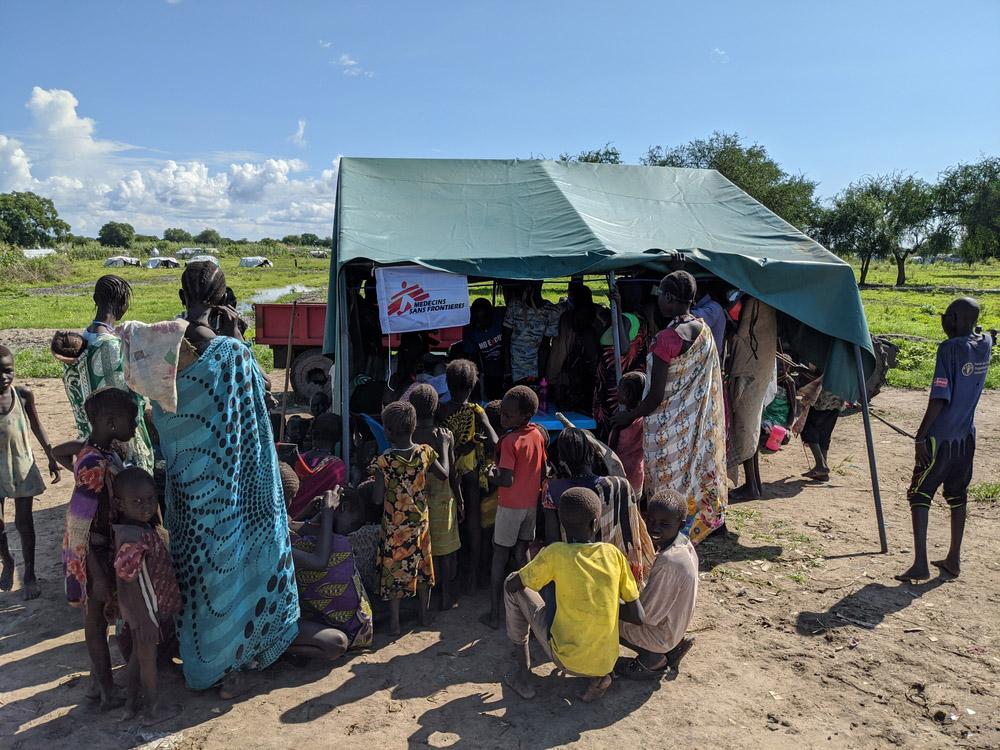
669 596
946 440
590 579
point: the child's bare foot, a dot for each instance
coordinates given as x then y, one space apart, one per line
818 475
7 575
93 692
520 682
30 589
425 617
160 712
110 700
952 568
490 620
914 573
596 689
130 712
743 493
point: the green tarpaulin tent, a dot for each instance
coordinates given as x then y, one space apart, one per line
545 219
513 219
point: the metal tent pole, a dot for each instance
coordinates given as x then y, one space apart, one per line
873 469
343 370
615 331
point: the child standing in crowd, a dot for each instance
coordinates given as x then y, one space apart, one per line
474 440
626 442
19 474
669 596
400 483
444 497
88 554
576 469
520 476
147 590
590 579
946 440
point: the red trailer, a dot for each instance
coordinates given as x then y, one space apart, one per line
310 368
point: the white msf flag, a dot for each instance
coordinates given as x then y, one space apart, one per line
412 298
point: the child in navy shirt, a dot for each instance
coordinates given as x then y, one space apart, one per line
946 440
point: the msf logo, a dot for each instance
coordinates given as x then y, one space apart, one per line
402 301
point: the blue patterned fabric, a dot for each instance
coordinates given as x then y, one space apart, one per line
226 516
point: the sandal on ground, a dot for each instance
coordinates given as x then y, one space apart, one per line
633 669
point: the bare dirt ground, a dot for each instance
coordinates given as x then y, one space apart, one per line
803 640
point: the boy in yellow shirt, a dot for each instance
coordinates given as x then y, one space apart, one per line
591 580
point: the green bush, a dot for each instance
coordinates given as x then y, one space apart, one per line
15 268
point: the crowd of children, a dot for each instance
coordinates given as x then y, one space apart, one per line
572 561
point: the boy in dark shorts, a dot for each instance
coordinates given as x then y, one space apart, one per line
946 440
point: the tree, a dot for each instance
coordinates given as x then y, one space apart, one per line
291 239
208 237
750 168
176 235
607 154
116 234
878 217
310 239
29 220
852 226
969 197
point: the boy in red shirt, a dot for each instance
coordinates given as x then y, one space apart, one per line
520 476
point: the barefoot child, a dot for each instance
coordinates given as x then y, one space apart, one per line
19 474
148 596
627 441
400 481
590 578
88 555
946 440
520 476
669 596
474 440
444 497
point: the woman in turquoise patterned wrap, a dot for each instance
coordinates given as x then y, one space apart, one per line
225 508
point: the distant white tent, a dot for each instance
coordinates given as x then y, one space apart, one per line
38 252
204 259
320 253
119 261
255 261
162 263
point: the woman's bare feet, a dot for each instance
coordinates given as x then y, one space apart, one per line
914 573
234 684
111 699
948 566
596 689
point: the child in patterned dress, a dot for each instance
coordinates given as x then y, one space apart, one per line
407 568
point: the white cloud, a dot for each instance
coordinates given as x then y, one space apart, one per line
325 44
352 67
15 167
299 136
719 56
239 192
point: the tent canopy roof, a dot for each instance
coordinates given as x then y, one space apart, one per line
513 219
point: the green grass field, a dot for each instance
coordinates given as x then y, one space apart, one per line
58 295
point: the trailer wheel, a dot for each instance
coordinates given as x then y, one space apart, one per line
885 359
310 373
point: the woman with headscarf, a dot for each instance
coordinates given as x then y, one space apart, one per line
225 507
684 433
102 365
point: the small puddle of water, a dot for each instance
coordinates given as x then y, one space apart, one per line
266 296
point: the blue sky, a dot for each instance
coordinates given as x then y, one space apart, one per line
188 113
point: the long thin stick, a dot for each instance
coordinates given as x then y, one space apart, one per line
288 374
891 426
